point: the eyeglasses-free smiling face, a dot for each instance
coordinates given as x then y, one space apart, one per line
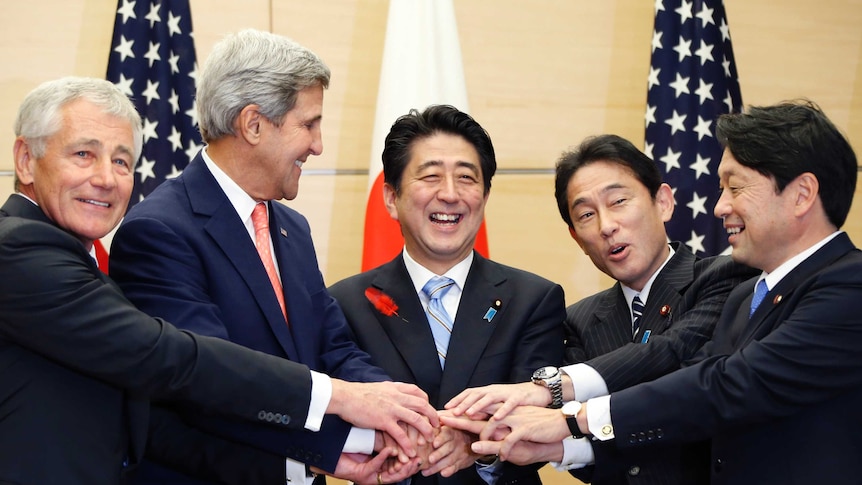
755 216
616 222
441 203
85 178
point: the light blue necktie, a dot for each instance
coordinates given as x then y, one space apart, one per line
759 293
438 318
637 311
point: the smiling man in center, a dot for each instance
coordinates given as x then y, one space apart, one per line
504 323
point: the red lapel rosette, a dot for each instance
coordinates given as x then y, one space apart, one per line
382 302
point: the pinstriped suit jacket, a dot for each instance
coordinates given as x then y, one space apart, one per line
598 332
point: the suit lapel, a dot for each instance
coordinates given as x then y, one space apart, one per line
412 338
666 292
483 290
229 233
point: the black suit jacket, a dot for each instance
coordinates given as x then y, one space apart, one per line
780 393
79 363
684 305
526 333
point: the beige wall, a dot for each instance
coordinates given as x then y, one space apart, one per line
541 75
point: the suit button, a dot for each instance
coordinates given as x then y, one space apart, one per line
641 437
718 465
633 438
270 417
317 458
650 435
285 419
277 417
634 471
261 415
659 433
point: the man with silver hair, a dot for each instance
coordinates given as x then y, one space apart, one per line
79 363
215 250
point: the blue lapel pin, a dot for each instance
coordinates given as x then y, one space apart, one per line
492 311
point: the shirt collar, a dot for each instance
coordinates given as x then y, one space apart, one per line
242 203
630 294
786 267
420 274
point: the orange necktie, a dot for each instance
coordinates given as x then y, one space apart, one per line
260 220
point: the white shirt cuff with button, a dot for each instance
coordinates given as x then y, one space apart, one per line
577 453
321 393
599 418
587 383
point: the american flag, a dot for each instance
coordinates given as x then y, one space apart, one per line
152 60
692 80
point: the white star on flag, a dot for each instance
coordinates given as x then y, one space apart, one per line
152 59
684 135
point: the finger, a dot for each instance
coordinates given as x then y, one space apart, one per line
462 401
492 430
400 436
406 471
486 447
505 409
463 423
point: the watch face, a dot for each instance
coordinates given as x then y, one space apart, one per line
545 372
571 408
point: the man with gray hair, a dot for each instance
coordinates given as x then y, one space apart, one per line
215 250
79 363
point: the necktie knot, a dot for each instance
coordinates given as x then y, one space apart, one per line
437 287
637 311
760 292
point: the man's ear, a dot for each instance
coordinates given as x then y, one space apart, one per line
664 201
249 123
807 191
24 161
389 197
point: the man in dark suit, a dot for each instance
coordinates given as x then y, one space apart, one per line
78 362
192 250
779 387
612 198
504 323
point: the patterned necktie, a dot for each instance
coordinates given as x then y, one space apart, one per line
760 292
438 318
637 311
261 241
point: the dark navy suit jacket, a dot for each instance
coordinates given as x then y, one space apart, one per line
184 254
779 394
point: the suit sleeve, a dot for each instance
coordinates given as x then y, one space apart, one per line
57 304
173 443
810 357
171 283
665 352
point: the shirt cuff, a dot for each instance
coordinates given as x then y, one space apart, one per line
587 383
359 440
577 453
294 472
490 472
321 393
599 418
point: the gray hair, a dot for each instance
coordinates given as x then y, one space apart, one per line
254 67
39 114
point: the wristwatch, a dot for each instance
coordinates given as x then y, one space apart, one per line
570 411
551 378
